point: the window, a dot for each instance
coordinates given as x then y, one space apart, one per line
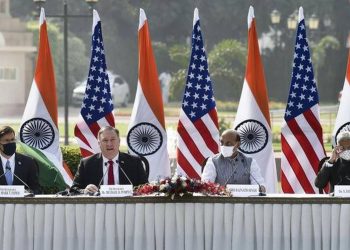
8 73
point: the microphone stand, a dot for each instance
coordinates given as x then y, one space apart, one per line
250 175
100 182
30 191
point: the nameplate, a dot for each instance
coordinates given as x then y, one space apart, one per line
243 190
116 190
342 190
11 191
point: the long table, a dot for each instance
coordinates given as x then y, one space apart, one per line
272 222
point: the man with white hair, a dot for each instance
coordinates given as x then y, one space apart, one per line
337 169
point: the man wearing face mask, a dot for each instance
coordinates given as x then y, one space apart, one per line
337 169
231 166
16 168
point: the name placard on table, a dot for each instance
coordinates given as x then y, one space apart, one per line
116 190
342 191
10 191
243 190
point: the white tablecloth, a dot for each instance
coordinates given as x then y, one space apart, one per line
174 226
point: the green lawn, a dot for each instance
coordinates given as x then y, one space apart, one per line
172 110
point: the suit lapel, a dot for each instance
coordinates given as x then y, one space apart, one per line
122 178
99 170
18 169
2 179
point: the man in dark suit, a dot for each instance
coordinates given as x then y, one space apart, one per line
336 169
108 167
16 168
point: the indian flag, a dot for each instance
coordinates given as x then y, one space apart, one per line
147 136
38 131
342 122
253 118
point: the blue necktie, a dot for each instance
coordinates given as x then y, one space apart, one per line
8 174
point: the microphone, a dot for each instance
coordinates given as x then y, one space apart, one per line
250 175
233 173
100 182
30 191
127 177
104 174
7 169
63 193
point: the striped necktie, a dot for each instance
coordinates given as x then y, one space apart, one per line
8 173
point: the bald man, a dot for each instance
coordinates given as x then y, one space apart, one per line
231 166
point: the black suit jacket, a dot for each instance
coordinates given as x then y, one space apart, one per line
338 174
26 169
90 171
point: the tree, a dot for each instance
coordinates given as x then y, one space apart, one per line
319 52
227 66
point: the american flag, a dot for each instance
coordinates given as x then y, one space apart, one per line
97 107
198 134
301 138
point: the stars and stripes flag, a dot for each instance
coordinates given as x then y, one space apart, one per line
198 133
301 137
342 122
253 116
39 133
97 107
146 134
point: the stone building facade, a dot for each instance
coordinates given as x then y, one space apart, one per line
17 57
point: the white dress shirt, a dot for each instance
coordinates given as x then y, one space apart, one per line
115 169
12 162
209 172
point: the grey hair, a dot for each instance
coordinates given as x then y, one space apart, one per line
343 135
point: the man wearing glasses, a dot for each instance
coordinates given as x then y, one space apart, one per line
16 168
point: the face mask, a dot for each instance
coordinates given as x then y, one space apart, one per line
226 151
345 155
9 148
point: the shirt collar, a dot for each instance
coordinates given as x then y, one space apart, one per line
11 159
115 159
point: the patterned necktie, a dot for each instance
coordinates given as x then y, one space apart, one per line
8 173
110 173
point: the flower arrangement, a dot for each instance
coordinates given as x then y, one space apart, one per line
179 186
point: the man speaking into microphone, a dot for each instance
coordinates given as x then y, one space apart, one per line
109 167
231 166
16 168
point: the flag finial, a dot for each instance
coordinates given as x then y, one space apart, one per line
95 19
301 14
250 16
195 16
142 18
42 16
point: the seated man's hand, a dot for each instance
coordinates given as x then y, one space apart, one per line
90 189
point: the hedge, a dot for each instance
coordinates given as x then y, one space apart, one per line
71 155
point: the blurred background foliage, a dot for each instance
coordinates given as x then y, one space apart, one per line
224 27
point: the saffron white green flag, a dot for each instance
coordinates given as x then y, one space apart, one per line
342 122
38 131
253 117
147 136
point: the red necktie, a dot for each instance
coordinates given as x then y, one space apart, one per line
110 173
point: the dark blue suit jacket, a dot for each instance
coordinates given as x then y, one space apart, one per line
90 171
26 169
